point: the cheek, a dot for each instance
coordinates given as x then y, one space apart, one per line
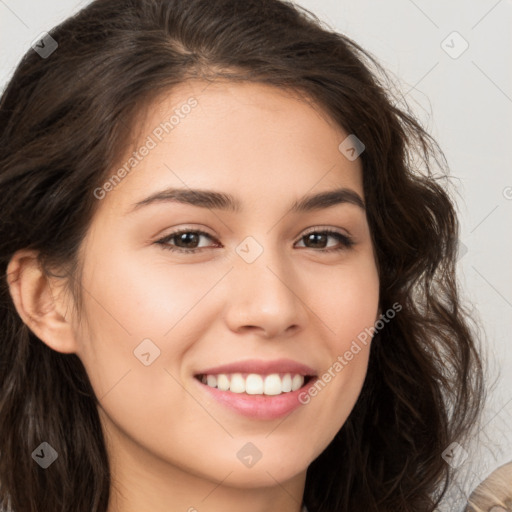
346 299
129 301
141 300
347 302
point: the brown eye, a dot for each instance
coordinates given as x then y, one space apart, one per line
187 240
319 240
184 241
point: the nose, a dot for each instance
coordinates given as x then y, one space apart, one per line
265 297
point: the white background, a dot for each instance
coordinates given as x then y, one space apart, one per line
465 102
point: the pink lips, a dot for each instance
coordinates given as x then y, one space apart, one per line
261 367
260 407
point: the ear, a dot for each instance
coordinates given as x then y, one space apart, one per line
40 302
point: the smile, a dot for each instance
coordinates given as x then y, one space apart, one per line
256 384
257 389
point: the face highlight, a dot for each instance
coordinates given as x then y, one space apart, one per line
240 239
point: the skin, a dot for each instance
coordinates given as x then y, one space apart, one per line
172 447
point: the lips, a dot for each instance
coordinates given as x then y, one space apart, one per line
258 389
261 367
258 377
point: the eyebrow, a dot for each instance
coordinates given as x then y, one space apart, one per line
222 201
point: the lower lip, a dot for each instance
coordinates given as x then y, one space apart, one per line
262 407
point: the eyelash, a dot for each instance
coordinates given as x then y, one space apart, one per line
346 242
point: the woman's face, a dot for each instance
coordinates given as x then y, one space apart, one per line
243 287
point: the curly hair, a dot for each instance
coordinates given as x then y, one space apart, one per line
64 122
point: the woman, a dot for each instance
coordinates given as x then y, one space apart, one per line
230 271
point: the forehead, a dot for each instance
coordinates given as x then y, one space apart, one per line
251 140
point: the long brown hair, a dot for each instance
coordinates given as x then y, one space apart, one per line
64 121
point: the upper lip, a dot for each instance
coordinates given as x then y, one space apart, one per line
261 367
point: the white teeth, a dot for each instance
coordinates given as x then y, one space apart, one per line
272 385
237 384
297 382
222 382
287 383
254 384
